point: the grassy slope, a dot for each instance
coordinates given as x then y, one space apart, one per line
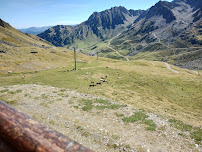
142 84
15 37
18 56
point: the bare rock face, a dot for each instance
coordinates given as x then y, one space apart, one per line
162 9
57 35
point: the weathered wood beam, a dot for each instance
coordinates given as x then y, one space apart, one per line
20 133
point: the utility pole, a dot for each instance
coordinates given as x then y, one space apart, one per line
75 58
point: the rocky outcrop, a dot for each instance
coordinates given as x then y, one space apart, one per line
57 35
2 23
162 8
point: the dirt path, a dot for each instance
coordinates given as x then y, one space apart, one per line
168 66
109 46
159 40
95 122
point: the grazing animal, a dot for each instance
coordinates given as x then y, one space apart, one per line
67 70
23 77
92 85
104 77
99 83
10 72
92 82
102 80
105 81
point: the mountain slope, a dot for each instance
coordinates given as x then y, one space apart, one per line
166 26
28 53
12 37
165 21
170 30
100 26
173 100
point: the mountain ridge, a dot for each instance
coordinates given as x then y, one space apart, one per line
103 25
164 34
177 19
99 26
166 26
34 30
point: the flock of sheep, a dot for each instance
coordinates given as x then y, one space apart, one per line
102 80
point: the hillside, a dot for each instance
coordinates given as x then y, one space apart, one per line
25 52
167 22
142 101
169 31
141 106
13 37
99 26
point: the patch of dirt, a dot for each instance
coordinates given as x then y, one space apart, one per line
95 122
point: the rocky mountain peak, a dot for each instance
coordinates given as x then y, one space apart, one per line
136 12
108 19
119 8
162 8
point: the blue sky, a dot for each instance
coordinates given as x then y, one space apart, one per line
37 13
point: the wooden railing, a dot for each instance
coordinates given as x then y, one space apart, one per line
20 133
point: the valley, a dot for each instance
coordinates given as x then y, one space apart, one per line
168 32
142 93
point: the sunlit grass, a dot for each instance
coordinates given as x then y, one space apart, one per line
141 84
140 116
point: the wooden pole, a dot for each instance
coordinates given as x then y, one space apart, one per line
75 58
